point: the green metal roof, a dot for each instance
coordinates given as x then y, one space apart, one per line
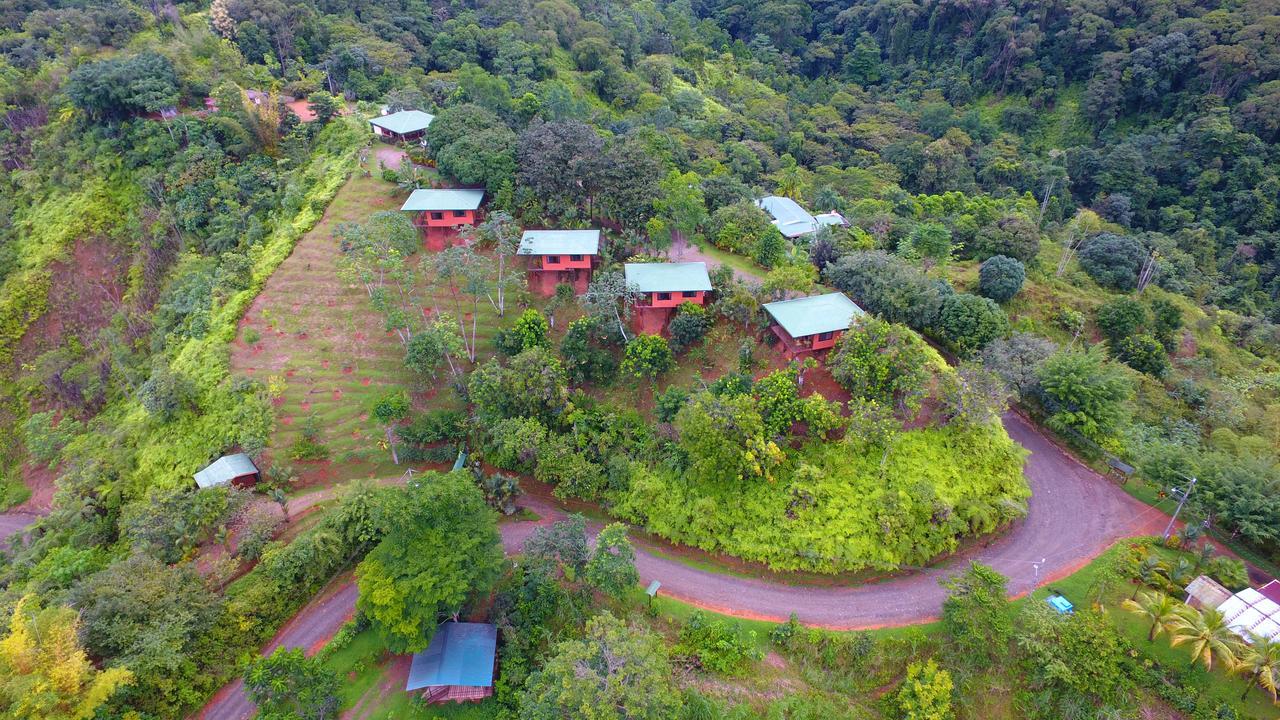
667 277
433 200
560 242
814 314
225 469
404 122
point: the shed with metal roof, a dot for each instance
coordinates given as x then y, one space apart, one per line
815 314
667 277
403 125
560 242
439 200
235 469
457 665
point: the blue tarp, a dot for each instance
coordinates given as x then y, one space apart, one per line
460 654
1061 604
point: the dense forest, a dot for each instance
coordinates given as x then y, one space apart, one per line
1075 201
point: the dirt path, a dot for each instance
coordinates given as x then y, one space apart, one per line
684 251
1074 514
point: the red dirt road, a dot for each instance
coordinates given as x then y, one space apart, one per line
1074 514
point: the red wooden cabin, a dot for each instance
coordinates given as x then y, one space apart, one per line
663 287
439 213
560 256
811 324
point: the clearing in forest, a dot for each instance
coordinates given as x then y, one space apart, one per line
317 341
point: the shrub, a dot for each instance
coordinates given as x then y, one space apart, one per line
715 645
1144 354
529 331
647 357
1000 278
925 694
1121 318
880 361
968 323
1012 236
1083 392
689 325
434 426
308 445
1113 261
586 360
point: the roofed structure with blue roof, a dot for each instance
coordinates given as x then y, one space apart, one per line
792 220
815 314
458 664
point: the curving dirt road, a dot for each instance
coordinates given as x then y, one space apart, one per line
1074 514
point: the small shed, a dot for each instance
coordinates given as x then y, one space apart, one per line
559 256
235 469
457 665
1204 591
401 126
813 323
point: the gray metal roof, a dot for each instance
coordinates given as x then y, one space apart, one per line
667 277
404 122
225 469
459 654
814 314
831 218
790 219
423 200
560 242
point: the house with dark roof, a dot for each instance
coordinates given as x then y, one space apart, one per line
403 126
811 324
662 288
235 469
458 664
438 213
560 256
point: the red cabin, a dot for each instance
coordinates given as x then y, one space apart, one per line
560 256
811 324
663 287
439 213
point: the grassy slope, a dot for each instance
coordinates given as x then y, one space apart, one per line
320 338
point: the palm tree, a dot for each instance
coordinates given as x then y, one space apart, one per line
1158 609
1181 574
1207 632
1151 572
1260 660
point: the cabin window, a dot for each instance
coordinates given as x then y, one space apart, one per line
437 216
459 213
664 296
824 336
689 293
553 259
575 258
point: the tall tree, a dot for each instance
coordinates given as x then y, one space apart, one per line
614 672
44 672
441 547
287 685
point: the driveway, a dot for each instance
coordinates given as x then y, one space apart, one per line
1073 515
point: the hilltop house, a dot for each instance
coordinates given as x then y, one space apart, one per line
560 256
663 287
811 324
402 126
235 469
794 221
457 665
439 213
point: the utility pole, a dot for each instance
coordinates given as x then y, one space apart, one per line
1186 494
